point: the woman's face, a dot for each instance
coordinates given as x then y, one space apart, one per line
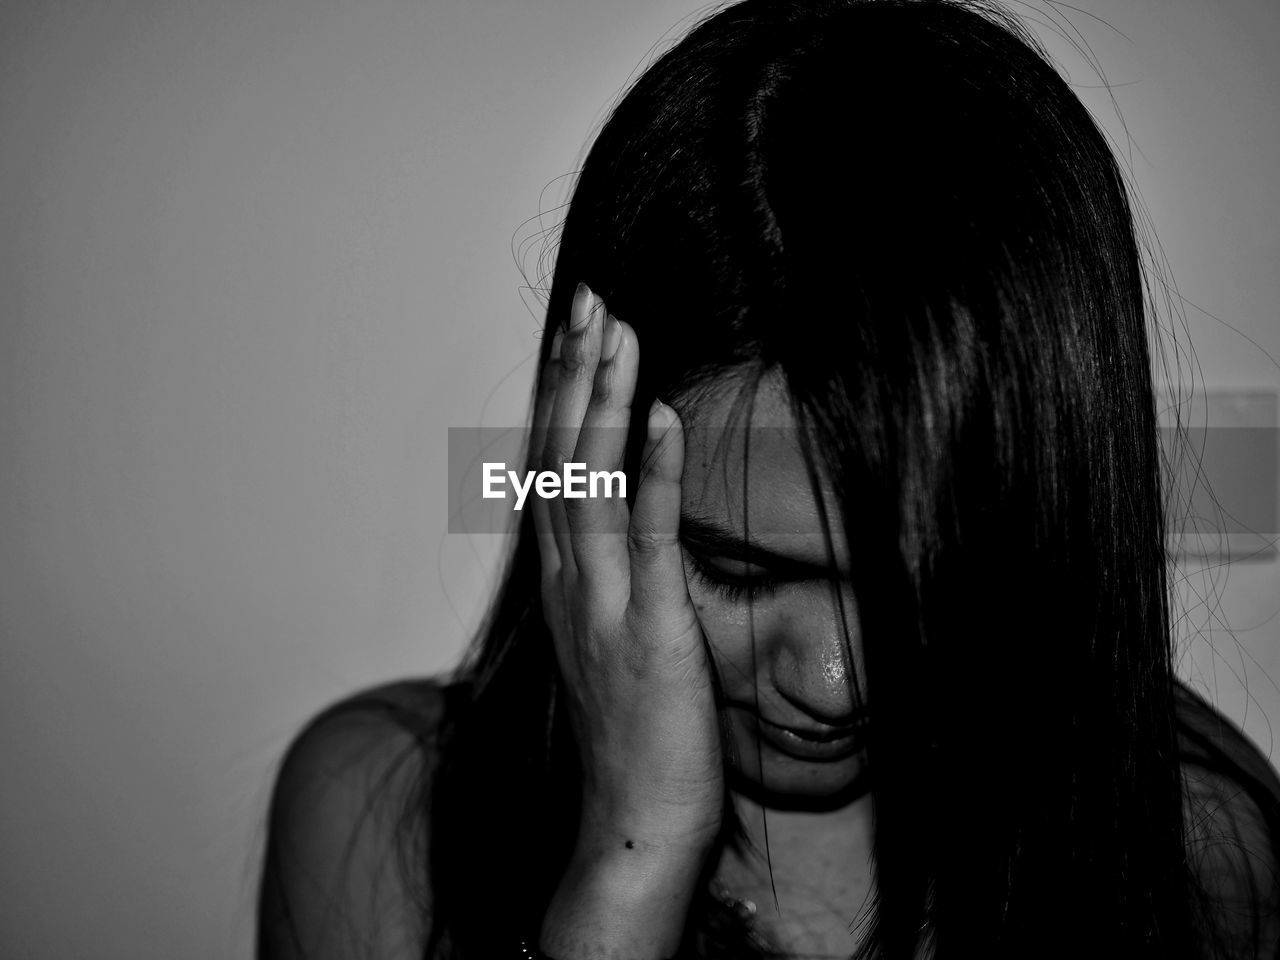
782 625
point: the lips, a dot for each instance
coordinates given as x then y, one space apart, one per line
818 744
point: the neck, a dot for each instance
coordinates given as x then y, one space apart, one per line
817 864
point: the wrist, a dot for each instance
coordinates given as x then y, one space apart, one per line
608 823
622 903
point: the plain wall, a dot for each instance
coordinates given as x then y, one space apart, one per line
254 260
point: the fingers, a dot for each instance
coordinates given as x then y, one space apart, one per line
598 522
657 569
575 372
582 416
580 351
547 548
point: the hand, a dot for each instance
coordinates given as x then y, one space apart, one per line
627 637
627 640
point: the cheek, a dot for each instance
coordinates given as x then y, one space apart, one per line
796 636
736 629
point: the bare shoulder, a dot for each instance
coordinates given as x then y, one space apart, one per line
1233 829
345 868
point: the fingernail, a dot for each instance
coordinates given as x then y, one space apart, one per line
583 303
660 418
612 337
556 343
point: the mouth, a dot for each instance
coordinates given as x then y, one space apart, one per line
816 744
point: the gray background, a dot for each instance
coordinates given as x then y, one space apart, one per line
254 260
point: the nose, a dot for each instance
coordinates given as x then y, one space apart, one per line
813 653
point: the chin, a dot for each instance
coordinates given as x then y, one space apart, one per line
776 780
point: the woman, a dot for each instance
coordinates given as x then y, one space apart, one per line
876 658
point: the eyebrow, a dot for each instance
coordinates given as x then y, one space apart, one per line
714 538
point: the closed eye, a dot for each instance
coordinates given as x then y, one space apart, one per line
732 586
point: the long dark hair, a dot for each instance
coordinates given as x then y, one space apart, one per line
903 208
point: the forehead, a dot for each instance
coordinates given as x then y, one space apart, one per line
745 467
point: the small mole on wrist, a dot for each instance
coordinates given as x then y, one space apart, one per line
630 844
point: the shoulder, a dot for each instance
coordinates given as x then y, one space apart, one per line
1232 795
345 866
